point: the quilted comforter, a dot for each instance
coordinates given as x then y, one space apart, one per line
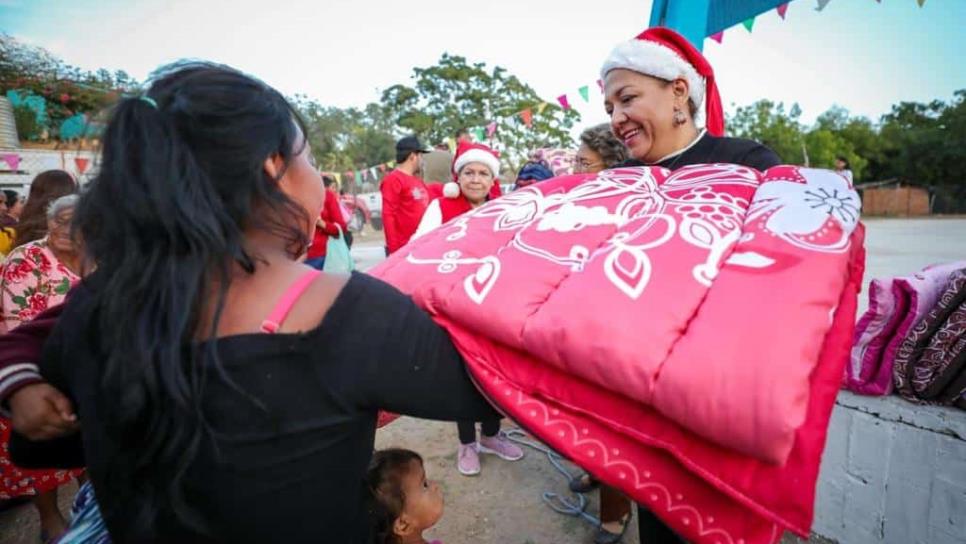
680 335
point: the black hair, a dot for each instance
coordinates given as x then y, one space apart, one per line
403 156
460 132
12 196
328 181
844 160
386 496
181 179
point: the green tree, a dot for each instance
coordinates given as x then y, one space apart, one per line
768 123
454 94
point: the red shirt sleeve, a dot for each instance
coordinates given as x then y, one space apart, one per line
332 215
390 210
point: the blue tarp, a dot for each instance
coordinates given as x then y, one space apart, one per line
698 19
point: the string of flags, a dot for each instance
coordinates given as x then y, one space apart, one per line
782 10
480 134
13 160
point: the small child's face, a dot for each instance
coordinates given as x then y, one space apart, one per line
424 499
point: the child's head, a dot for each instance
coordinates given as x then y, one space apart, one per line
403 502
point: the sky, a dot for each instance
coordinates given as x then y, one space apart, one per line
859 54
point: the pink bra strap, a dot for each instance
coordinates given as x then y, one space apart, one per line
288 299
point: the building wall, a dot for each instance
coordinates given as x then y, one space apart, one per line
892 472
901 201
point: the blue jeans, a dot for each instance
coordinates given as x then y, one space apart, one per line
316 263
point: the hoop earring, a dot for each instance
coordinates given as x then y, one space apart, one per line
679 118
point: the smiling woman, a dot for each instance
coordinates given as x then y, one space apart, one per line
657 89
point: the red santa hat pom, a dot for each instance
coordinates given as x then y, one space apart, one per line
468 152
451 189
663 53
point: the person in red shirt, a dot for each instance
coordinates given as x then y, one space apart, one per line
328 224
404 196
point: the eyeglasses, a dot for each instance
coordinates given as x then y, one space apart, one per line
583 166
61 221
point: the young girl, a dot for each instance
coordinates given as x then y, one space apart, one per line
403 503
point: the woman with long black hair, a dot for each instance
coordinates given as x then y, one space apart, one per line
226 392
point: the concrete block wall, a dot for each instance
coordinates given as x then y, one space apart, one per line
892 472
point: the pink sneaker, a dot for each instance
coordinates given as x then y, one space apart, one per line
468 460
500 446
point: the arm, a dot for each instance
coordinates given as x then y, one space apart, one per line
415 370
37 409
390 203
332 218
61 447
20 351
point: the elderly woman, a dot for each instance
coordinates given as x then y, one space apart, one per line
599 150
654 88
36 276
476 167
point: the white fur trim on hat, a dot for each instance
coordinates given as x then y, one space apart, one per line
653 59
451 189
480 156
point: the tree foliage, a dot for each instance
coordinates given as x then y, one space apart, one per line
915 142
455 94
66 90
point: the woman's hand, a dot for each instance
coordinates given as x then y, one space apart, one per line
41 412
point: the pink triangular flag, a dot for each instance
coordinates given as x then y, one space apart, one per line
491 129
563 101
717 36
81 164
781 10
600 83
12 160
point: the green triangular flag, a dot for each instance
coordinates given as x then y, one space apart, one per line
749 23
585 93
478 132
358 177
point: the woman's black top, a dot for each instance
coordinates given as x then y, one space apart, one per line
290 466
714 149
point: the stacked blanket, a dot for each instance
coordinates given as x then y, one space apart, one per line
680 335
930 365
896 306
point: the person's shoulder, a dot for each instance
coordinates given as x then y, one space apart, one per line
744 152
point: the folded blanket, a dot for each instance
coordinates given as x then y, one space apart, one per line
681 335
896 305
930 365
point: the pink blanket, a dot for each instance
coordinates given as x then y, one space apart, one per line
896 305
679 334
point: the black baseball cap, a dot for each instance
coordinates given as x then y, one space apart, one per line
409 144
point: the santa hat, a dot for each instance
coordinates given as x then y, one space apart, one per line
467 152
663 53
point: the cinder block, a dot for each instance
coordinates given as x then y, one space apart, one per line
912 461
906 509
864 511
870 442
951 459
947 508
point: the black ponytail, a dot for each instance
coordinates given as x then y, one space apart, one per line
181 179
